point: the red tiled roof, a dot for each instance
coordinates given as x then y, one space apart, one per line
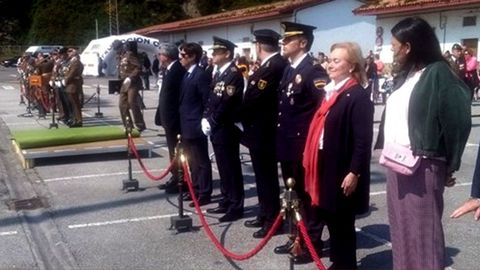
231 17
401 6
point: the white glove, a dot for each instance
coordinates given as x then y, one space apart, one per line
63 83
58 84
126 81
51 83
239 126
206 129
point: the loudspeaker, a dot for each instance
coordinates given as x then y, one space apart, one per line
114 86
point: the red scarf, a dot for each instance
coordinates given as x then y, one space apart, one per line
310 154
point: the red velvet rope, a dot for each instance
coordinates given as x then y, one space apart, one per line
308 243
212 236
132 146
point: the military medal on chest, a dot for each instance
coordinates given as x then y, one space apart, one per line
289 89
298 79
219 88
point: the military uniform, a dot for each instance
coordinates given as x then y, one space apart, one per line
73 88
259 117
221 112
130 70
61 99
44 68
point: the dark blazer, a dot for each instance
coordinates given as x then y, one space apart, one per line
475 193
167 114
260 103
300 93
194 92
347 148
224 104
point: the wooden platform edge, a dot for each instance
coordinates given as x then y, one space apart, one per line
27 156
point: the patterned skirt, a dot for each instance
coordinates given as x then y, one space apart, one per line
415 208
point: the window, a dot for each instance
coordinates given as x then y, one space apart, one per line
469 21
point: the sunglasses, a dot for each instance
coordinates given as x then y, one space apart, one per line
183 55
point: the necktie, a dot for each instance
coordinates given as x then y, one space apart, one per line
217 74
289 73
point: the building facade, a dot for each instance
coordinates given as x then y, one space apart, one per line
454 21
334 20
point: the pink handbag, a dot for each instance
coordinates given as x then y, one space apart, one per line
399 159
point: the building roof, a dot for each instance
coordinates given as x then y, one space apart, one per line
384 7
250 14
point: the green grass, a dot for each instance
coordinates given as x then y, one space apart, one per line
35 138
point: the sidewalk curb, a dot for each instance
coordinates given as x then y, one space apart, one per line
48 248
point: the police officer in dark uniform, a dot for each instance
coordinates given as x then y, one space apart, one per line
219 122
300 94
130 70
259 116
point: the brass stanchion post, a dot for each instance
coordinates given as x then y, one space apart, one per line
291 203
129 184
180 222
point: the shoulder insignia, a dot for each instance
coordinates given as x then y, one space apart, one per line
262 84
298 79
319 83
230 90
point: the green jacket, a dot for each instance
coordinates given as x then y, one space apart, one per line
439 116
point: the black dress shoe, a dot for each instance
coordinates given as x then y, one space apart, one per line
284 249
172 189
303 258
171 182
254 223
76 124
201 202
187 197
264 231
228 217
217 210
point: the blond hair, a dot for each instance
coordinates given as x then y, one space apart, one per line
354 56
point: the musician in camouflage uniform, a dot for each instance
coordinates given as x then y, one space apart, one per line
58 75
73 87
43 67
129 71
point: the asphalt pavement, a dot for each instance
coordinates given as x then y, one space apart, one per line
78 217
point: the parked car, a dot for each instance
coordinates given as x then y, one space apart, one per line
45 49
10 62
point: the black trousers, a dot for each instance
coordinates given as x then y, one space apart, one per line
343 241
313 220
171 137
294 169
200 166
266 179
227 157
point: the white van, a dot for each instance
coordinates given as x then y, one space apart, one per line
44 49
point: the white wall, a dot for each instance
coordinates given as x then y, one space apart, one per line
335 22
453 32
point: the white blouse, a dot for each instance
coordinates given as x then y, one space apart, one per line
396 115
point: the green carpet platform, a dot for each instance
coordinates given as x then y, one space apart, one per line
48 143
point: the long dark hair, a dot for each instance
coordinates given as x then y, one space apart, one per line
424 45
